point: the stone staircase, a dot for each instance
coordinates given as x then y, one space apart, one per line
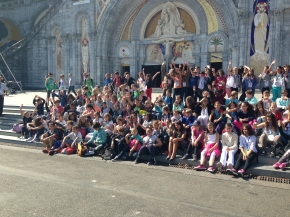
55 5
12 116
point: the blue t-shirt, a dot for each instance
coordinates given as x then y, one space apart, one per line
138 137
168 100
193 81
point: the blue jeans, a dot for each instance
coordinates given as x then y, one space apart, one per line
71 89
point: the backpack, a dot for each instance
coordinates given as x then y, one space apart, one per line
107 154
81 149
17 128
279 149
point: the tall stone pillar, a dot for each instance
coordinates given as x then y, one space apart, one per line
133 60
278 16
235 57
242 33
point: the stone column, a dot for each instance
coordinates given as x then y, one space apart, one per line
278 16
204 60
225 59
133 60
142 55
235 57
242 33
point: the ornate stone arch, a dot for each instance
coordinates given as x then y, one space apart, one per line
142 18
79 16
119 45
160 7
220 34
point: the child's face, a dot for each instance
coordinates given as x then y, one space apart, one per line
217 106
176 114
104 105
178 99
249 96
205 94
210 128
232 105
266 96
244 107
57 104
134 132
233 96
273 108
51 127
164 112
168 93
228 129
75 130
69 126
60 118
188 114
27 115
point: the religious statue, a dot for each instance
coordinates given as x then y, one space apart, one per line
85 54
59 52
156 54
261 23
170 23
85 46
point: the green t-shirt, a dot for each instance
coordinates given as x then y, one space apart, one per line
50 85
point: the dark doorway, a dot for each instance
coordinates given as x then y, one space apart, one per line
125 69
152 70
217 66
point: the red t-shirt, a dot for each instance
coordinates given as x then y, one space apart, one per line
220 83
278 115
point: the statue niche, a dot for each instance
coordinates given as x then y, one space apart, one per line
170 23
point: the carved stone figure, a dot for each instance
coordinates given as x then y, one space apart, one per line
261 23
85 46
59 52
170 23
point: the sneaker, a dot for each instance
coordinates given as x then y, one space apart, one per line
194 157
35 140
200 167
185 157
116 159
51 152
152 162
232 172
282 166
241 172
276 165
220 166
29 139
210 169
45 151
272 154
21 137
137 160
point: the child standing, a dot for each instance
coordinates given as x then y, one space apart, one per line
71 84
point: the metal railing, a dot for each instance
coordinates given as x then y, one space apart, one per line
53 8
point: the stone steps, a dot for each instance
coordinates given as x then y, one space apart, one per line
12 116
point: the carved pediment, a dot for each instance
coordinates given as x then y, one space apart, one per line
170 21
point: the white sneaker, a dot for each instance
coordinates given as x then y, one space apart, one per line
21 137
29 139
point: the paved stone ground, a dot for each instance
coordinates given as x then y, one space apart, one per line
34 184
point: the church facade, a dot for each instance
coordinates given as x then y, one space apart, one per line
100 36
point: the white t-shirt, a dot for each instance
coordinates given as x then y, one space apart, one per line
73 136
149 140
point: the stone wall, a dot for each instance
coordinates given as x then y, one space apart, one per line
33 62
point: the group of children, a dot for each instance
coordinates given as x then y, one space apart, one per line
199 113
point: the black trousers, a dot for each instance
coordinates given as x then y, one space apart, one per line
247 163
1 104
